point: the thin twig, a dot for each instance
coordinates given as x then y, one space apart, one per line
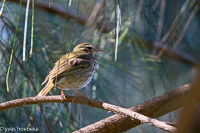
168 37
196 8
155 5
175 22
138 12
160 24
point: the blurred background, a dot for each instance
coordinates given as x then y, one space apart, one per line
155 44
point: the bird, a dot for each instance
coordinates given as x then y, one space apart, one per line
73 70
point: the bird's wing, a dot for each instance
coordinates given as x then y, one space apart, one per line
69 67
69 64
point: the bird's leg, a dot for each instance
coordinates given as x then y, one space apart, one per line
63 94
75 90
78 94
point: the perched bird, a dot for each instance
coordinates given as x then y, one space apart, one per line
74 70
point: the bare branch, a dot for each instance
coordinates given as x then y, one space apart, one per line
90 102
142 118
153 108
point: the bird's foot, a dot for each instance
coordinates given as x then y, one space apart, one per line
62 97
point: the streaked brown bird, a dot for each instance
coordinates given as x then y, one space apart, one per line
74 70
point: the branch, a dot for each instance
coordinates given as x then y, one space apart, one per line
47 99
90 102
137 116
57 10
153 108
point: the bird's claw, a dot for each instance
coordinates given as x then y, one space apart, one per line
62 97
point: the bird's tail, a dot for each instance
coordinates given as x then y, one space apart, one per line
46 89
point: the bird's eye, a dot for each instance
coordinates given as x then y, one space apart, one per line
89 47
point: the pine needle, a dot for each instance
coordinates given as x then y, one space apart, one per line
11 56
31 51
2 7
25 30
117 30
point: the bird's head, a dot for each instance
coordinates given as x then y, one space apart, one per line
86 47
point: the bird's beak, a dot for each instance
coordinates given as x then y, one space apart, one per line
97 50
